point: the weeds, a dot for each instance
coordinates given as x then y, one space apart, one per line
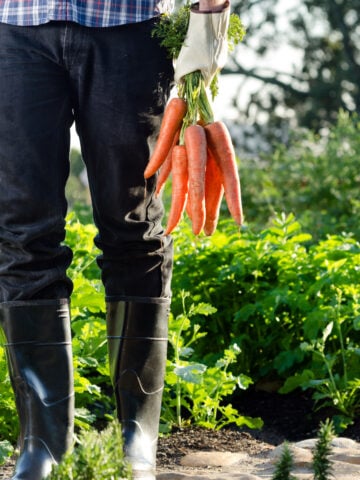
97 456
321 465
285 465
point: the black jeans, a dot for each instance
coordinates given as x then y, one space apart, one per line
114 83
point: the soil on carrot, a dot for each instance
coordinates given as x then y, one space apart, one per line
290 417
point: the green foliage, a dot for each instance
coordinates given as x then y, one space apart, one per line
275 292
314 177
236 31
318 42
336 383
321 464
98 456
252 280
8 417
197 388
6 449
77 192
285 464
91 371
172 28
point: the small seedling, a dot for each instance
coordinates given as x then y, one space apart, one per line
321 463
285 464
322 467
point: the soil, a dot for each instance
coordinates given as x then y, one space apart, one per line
290 417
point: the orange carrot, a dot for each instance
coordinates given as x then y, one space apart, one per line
220 144
171 122
214 192
165 168
179 187
195 143
188 207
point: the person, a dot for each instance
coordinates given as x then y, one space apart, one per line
95 64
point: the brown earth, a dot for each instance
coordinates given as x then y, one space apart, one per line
290 417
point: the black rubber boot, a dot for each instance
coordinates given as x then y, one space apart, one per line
39 353
137 342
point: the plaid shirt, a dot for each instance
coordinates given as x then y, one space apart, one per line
92 13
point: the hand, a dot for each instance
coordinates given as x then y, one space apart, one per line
205 47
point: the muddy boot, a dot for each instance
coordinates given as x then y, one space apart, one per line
137 341
38 349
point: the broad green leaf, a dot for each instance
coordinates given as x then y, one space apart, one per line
191 373
299 380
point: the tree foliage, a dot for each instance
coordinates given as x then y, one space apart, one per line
322 38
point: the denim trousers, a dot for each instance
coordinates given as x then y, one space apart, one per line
113 83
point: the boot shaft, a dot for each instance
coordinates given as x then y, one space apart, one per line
137 339
36 321
39 353
137 343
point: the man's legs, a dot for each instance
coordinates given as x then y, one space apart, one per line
121 82
118 113
35 117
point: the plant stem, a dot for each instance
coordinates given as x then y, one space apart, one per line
193 91
341 338
178 385
205 108
177 362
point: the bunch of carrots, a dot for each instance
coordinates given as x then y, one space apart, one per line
199 154
195 149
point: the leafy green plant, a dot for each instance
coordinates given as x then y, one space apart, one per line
333 389
335 355
275 292
200 390
314 176
8 417
97 456
6 449
285 465
321 464
254 281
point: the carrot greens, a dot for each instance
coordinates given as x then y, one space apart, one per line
172 28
